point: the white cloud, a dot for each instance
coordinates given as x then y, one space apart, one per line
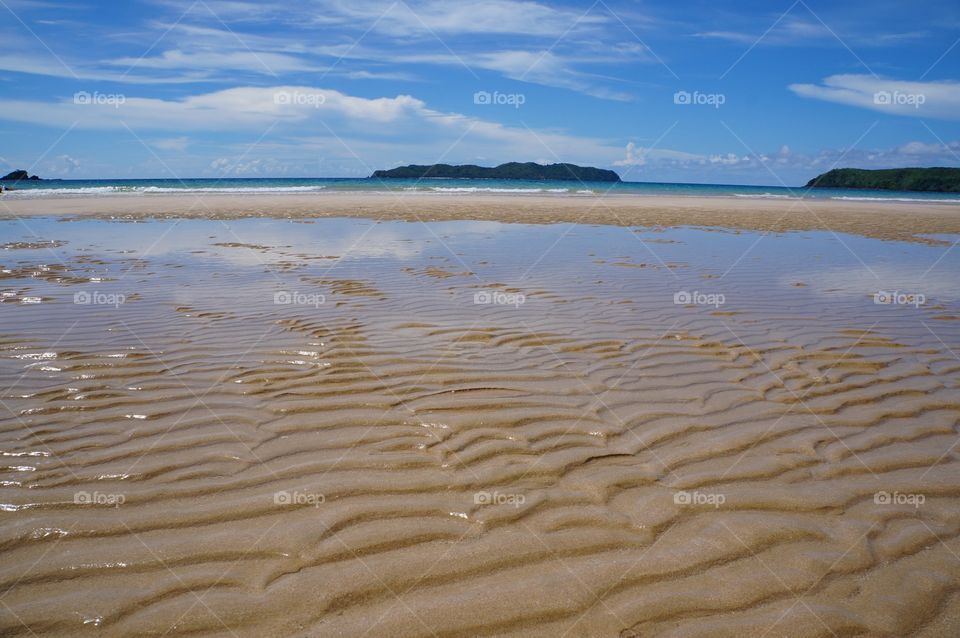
486 17
172 143
730 159
258 167
640 156
228 109
792 30
789 30
42 64
62 166
360 39
336 124
543 67
927 149
894 97
251 61
418 17
527 41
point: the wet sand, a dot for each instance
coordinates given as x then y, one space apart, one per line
883 220
345 427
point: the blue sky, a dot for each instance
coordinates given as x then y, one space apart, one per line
759 92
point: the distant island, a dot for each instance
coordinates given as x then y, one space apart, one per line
18 175
941 180
510 170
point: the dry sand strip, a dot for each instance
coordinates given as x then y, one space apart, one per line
905 221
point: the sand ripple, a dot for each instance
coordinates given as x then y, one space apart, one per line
401 462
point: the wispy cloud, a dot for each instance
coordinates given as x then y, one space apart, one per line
893 97
788 30
806 31
47 66
539 67
522 40
418 18
251 61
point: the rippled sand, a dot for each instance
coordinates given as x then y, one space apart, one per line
904 221
350 428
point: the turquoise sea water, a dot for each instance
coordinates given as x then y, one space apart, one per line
82 188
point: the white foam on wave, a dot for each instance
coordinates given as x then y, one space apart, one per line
138 190
42 192
897 199
765 196
240 189
488 189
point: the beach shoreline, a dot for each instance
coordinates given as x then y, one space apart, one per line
905 221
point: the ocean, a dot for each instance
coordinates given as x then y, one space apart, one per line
108 187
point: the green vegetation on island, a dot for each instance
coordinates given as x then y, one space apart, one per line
942 180
511 170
